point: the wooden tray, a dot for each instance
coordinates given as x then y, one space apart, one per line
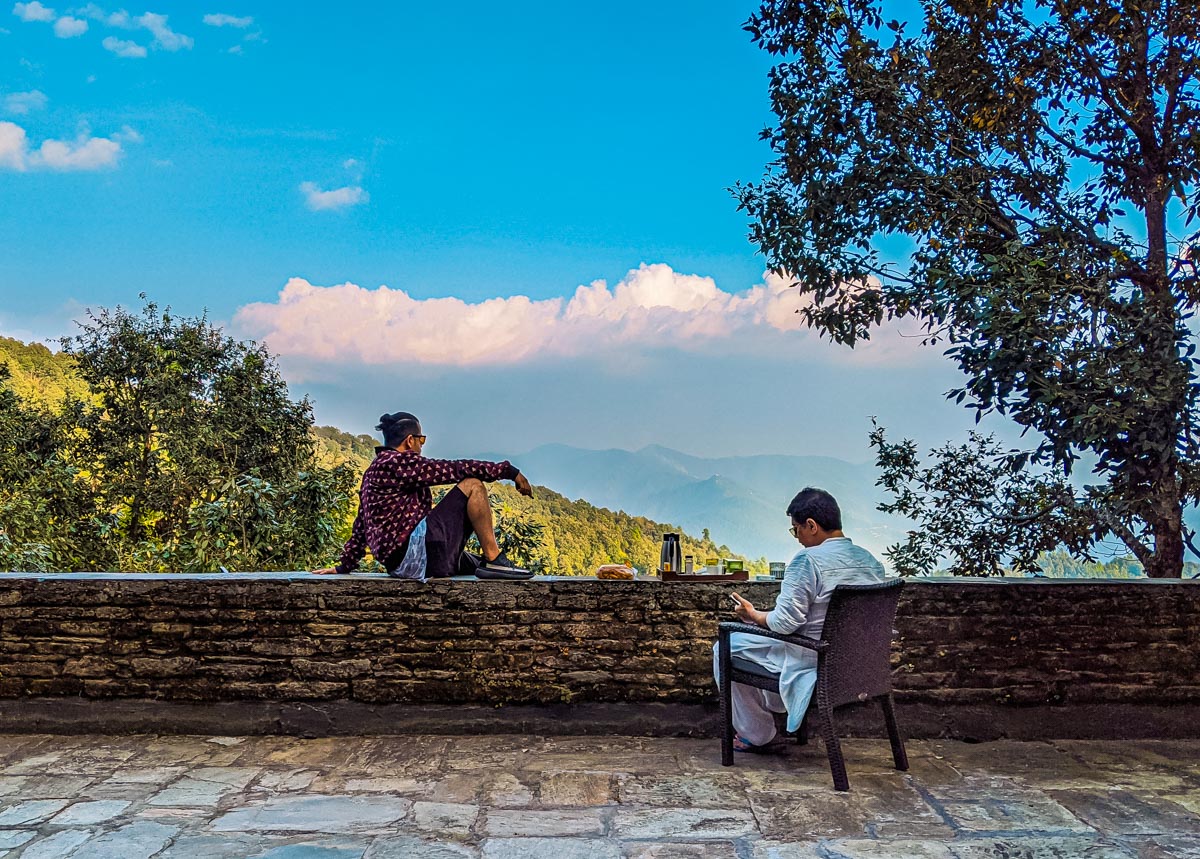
670 576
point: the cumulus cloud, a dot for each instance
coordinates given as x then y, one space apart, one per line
116 19
21 103
337 198
83 153
652 307
33 11
68 27
164 37
13 146
220 19
123 48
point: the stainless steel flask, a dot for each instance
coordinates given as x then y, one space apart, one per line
670 557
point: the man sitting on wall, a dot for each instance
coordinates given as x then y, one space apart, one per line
405 532
827 560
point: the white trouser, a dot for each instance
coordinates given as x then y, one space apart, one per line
752 708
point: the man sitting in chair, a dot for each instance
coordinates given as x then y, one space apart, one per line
827 560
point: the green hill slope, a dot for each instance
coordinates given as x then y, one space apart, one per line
39 376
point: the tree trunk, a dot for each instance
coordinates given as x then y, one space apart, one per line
1167 560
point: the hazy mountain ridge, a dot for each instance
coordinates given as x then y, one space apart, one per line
740 499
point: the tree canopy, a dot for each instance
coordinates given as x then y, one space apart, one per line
184 453
1041 158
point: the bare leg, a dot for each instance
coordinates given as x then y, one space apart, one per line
480 514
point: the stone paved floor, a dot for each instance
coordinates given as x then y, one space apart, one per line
512 797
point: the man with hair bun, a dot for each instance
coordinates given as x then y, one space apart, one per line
827 559
397 520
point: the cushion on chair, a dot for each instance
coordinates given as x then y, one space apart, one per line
748 666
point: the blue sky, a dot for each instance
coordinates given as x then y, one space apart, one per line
511 220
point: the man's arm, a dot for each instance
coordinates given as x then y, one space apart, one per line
422 471
354 549
796 594
746 612
791 607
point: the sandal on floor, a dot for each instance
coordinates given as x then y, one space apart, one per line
771 748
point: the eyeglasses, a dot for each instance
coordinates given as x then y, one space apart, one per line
420 438
795 529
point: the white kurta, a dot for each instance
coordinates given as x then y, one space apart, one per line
800 608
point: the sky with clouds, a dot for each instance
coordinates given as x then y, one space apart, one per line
513 220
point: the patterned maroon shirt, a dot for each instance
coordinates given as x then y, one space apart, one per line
395 497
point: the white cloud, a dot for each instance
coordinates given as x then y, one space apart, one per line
164 36
33 11
116 19
67 27
651 308
13 146
21 103
123 48
127 135
338 198
83 153
220 19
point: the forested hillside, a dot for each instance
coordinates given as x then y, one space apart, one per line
40 377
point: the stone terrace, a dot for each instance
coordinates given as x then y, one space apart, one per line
524 797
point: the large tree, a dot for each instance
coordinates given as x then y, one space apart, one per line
184 453
1041 157
197 450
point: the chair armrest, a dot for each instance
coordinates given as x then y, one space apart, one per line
728 627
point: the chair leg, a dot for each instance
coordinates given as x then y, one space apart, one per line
802 732
725 683
837 763
889 716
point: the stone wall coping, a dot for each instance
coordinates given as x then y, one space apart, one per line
303 575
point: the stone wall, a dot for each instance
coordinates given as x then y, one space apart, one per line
992 648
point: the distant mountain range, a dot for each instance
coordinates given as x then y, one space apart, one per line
741 500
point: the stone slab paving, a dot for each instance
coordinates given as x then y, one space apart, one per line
525 797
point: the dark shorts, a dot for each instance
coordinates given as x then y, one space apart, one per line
447 530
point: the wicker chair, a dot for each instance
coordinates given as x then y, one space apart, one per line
852 667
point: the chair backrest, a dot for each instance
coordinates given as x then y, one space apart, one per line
858 627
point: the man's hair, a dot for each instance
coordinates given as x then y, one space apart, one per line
397 427
818 505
